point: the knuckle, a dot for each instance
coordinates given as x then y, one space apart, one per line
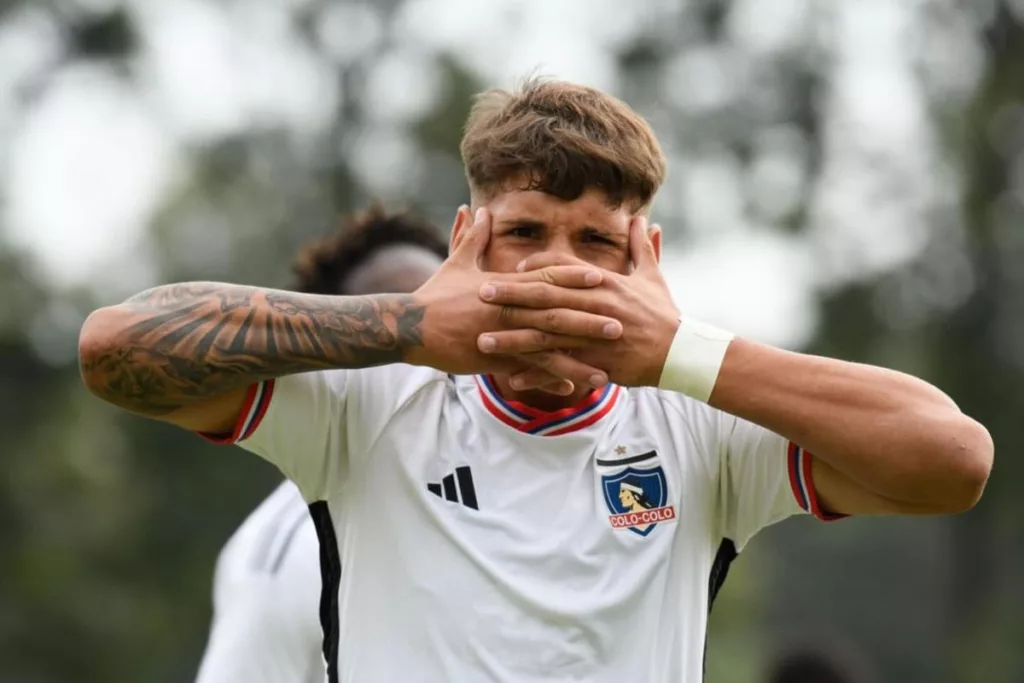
542 294
552 320
565 321
544 360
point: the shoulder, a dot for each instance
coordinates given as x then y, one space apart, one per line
395 378
398 380
375 394
689 425
364 396
676 410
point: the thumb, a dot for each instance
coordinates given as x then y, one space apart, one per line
474 240
641 249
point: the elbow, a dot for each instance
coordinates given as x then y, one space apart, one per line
99 347
971 453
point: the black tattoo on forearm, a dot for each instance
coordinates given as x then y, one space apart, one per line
187 342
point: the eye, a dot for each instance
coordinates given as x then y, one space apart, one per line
594 238
523 231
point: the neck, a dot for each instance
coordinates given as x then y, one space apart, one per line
541 400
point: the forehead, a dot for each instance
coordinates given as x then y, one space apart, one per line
591 209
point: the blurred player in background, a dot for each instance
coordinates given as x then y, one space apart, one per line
266 593
818 662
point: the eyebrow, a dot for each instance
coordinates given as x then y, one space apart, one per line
523 223
536 224
614 236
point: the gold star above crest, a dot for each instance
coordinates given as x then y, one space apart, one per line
620 450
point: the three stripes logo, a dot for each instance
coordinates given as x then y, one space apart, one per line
457 488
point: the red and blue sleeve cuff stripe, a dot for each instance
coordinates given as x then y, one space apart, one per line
801 480
257 400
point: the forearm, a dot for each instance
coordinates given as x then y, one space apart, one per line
896 435
176 345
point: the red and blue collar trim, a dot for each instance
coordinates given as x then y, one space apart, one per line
529 420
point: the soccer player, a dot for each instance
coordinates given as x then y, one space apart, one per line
474 528
266 626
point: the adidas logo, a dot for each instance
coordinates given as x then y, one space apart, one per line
457 488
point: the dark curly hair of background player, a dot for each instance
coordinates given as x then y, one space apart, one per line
321 266
820 661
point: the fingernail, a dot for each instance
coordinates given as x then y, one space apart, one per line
516 383
478 217
521 266
592 278
598 380
487 343
488 292
611 330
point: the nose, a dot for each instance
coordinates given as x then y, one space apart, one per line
560 244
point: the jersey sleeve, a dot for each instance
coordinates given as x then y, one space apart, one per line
318 427
763 479
299 424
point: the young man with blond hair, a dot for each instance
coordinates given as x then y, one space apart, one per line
463 448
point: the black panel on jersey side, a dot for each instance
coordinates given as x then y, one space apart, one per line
719 570
434 488
466 487
449 488
330 581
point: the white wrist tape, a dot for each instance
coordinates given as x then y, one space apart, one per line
695 359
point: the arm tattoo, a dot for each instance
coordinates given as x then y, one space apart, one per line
187 342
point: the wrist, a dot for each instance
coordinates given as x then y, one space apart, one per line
695 359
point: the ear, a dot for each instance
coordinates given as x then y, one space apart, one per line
654 232
463 221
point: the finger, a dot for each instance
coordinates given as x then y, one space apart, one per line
561 387
545 259
565 322
641 248
513 365
535 378
471 247
575 277
510 342
560 365
538 295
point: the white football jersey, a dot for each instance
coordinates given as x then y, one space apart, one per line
468 538
266 626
